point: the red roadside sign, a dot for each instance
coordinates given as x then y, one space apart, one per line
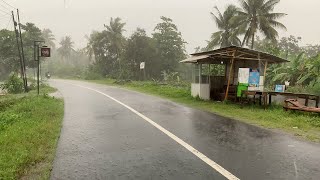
45 52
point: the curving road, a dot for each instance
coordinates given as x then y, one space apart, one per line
112 133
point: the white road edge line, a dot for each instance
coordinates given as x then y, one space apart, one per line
194 151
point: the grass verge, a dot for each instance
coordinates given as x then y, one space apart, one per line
303 125
29 129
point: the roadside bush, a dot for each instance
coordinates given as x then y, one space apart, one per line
13 85
90 75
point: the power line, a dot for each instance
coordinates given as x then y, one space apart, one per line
8 4
8 23
4 12
5 7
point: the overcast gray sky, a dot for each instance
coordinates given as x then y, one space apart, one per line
79 17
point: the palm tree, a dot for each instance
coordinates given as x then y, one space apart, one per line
114 32
257 15
48 38
89 49
66 47
228 32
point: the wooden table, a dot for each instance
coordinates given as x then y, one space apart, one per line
305 96
263 96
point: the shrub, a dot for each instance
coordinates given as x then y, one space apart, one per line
90 75
13 85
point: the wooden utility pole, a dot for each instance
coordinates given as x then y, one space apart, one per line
22 53
18 45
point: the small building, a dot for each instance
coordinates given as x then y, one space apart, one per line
218 74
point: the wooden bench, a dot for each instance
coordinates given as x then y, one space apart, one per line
293 104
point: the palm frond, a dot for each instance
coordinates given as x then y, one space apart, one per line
244 4
269 5
219 22
274 16
277 24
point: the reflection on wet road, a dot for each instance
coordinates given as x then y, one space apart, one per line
101 139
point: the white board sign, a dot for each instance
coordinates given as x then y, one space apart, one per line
142 65
243 76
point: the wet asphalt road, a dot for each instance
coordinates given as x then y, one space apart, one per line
102 139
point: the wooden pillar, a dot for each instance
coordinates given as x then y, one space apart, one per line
265 73
209 76
230 73
200 72
200 79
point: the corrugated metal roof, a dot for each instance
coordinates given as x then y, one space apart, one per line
227 53
194 59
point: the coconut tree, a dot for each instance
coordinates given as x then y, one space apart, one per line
48 38
114 33
258 16
229 30
66 47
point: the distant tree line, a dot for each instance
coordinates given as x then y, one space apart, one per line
64 61
116 56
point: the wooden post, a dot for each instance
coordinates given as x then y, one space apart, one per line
200 79
209 74
229 79
200 73
265 73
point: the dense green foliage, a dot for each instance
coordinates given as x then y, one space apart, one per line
13 85
64 61
119 57
29 130
302 71
8 54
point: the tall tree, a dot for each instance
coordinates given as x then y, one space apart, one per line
66 48
49 38
114 33
98 51
229 30
141 48
170 45
8 53
31 33
257 16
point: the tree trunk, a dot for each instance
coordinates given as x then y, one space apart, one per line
252 41
244 40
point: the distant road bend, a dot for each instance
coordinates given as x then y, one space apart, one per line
112 133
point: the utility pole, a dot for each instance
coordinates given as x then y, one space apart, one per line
17 39
22 51
37 58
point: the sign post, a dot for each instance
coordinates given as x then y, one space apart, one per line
44 52
142 67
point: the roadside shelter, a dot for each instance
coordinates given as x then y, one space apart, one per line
228 62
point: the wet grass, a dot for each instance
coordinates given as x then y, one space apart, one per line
29 129
304 125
